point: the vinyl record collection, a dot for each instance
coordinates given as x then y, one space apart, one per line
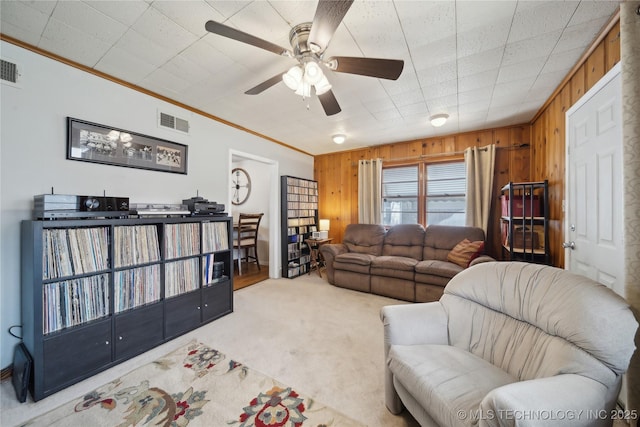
136 244
180 277
73 302
136 287
68 252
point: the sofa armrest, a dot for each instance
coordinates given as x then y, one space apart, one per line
481 259
562 401
410 324
413 324
329 251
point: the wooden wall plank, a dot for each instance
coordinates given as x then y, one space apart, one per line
578 84
595 66
612 47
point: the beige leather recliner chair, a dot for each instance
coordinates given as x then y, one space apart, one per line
509 344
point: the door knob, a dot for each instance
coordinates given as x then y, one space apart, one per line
569 245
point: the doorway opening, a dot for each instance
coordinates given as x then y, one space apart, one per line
263 198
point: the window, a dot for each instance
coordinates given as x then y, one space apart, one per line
446 187
441 193
400 195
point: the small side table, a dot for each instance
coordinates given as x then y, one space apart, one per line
314 252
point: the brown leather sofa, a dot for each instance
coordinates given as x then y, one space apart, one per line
406 261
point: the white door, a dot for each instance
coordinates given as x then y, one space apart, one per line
594 187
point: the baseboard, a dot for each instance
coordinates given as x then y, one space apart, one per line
6 373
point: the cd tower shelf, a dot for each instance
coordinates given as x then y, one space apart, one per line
525 221
96 292
299 216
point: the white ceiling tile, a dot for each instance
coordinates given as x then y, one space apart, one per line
181 65
407 98
163 31
411 110
122 64
229 8
579 36
426 22
533 18
19 20
206 56
442 104
479 62
441 89
483 38
126 12
563 61
161 81
67 41
476 14
533 47
520 70
363 16
521 85
547 82
433 54
438 74
590 10
90 21
190 15
390 114
147 50
479 80
476 95
295 12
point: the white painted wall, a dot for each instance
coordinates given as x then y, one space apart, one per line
33 155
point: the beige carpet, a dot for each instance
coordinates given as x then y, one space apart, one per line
324 342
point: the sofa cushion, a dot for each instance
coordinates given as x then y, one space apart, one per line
351 261
447 380
394 266
440 239
364 238
404 240
465 252
438 268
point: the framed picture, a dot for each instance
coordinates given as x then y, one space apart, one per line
91 142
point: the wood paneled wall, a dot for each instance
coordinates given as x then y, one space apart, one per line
542 157
548 129
337 173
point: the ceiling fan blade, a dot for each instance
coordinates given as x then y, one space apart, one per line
265 85
232 33
329 15
372 67
329 103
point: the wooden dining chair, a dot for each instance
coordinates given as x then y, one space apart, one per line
246 238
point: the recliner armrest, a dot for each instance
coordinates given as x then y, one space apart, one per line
329 251
562 401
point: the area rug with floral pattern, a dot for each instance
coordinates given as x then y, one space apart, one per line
194 386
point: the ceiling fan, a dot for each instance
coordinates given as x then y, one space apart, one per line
309 41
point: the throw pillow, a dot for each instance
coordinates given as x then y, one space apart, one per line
465 252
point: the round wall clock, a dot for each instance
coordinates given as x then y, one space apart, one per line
241 186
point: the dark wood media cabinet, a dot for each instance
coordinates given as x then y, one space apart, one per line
96 292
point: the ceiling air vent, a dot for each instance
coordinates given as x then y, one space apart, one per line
9 72
175 123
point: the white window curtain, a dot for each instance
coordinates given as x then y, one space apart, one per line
369 191
480 163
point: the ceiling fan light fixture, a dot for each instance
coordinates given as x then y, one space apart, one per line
304 89
323 86
339 138
293 77
438 120
312 73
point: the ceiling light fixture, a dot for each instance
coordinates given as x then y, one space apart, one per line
339 138
438 120
300 79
